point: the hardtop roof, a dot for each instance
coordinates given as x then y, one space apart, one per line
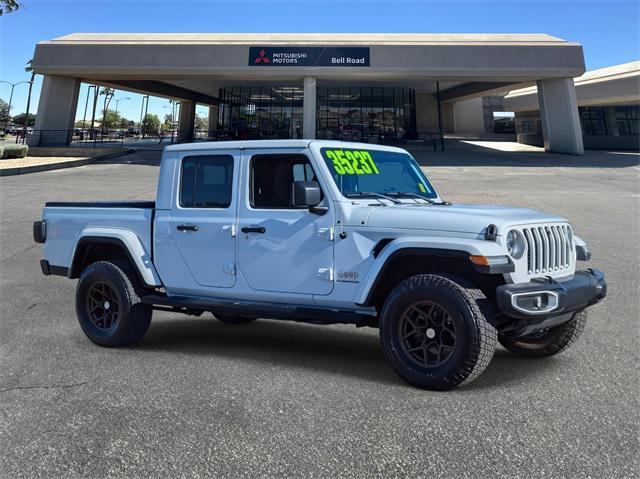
266 144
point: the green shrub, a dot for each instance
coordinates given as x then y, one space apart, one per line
14 151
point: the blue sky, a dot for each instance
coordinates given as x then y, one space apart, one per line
608 30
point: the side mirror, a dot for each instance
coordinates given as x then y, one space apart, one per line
306 193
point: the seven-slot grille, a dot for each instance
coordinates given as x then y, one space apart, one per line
548 248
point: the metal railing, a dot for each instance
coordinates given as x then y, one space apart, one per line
86 138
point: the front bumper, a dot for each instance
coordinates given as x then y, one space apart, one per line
545 297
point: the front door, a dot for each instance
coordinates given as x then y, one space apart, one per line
283 248
204 217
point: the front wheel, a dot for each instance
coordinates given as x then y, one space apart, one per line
108 307
550 342
435 331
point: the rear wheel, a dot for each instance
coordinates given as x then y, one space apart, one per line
436 333
232 318
108 305
549 343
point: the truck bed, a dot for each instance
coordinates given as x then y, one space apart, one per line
101 204
67 222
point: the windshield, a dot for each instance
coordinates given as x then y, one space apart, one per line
359 172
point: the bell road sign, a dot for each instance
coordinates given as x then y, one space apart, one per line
309 56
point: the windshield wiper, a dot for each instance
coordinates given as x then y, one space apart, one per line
363 194
416 195
411 194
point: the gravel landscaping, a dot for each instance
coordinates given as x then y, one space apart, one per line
37 161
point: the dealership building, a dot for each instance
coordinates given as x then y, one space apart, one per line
608 106
379 88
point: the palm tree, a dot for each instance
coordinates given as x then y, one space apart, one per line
29 69
108 95
8 6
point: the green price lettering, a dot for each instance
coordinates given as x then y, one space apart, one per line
346 165
336 162
352 162
367 155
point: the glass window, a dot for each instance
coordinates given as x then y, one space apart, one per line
369 172
255 112
592 120
368 114
206 181
628 120
529 127
272 178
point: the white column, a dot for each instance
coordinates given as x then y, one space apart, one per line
186 120
559 116
56 111
309 109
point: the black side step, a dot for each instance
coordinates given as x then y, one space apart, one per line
306 314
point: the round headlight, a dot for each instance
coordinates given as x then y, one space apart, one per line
515 244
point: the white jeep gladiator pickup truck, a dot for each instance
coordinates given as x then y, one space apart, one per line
326 232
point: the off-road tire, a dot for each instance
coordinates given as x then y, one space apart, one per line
232 318
552 342
134 316
470 312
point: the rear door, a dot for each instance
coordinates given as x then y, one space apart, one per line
283 248
203 219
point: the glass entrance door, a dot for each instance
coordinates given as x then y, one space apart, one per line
258 112
367 114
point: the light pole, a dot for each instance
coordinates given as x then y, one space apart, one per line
86 104
92 134
13 85
118 100
173 104
142 113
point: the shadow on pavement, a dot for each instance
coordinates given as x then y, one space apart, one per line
460 153
343 350
143 157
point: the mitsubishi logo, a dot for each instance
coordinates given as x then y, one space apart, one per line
262 58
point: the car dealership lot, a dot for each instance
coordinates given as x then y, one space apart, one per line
200 398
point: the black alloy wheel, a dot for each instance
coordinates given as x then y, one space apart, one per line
428 334
103 306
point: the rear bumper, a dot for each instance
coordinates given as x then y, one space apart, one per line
40 231
546 298
48 269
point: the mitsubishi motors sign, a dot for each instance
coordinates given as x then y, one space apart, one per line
309 56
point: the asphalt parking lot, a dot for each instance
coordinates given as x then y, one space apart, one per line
199 398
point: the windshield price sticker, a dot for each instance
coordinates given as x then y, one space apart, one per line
352 162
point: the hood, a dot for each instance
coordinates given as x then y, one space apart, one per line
459 218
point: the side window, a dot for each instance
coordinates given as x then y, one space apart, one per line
206 181
272 178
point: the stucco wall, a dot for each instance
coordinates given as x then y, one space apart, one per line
426 113
469 116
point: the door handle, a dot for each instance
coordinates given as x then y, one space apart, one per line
187 228
253 229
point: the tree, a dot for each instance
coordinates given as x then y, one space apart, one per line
168 122
4 111
202 122
8 6
111 119
150 124
108 95
20 119
124 123
29 69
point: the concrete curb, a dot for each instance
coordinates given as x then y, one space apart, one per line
21 170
